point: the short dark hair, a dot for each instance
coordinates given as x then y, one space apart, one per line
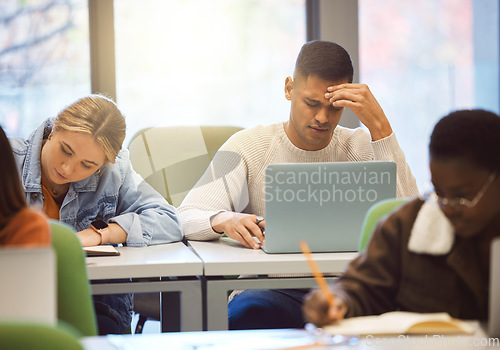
473 135
11 191
324 59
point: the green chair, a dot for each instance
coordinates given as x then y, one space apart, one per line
171 160
74 300
376 212
24 335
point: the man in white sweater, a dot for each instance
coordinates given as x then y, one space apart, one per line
230 197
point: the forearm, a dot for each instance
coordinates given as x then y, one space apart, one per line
365 290
89 237
380 129
388 149
196 223
371 282
152 226
116 234
211 196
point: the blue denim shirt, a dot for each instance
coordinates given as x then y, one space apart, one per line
117 194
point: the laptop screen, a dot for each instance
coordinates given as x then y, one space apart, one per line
323 203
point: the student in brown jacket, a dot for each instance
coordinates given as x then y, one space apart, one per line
19 225
432 254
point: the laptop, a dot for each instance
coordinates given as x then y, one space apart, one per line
323 204
29 289
494 302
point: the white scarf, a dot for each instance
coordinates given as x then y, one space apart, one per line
432 232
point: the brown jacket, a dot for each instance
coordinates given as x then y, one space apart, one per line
388 276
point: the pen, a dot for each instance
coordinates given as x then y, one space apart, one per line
317 273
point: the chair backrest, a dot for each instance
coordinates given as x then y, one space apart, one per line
376 212
21 336
172 159
74 300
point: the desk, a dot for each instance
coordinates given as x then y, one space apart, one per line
160 268
224 260
283 339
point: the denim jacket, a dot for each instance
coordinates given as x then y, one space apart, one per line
117 194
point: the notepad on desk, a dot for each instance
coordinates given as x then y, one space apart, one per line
401 322
101 250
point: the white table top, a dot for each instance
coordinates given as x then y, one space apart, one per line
163 260
229 257
227 340
285 339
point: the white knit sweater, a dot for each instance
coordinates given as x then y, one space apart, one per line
235 180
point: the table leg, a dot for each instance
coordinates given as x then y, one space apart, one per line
217 291
183 307
170 314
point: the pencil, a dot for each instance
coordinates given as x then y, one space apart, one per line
317 274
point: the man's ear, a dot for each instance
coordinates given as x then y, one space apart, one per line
288 88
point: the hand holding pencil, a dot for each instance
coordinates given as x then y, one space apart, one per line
321 307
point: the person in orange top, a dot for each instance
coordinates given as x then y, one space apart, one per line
19 225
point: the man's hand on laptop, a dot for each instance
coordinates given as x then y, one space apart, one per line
241 227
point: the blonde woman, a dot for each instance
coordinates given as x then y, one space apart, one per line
75 169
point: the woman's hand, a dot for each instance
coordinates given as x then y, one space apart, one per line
90 238
317 311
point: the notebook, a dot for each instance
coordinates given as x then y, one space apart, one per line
29 289
323 204
101 250
494 302
401 322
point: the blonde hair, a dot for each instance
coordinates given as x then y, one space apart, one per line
98 116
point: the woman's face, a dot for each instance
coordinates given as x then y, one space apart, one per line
459 178
70 156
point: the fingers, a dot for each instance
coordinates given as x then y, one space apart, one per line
244 229
315 308
350 86
318 312
359 99
258 228
337 311
347 95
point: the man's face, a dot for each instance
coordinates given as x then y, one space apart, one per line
312 116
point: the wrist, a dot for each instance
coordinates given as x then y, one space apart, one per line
381 133
217 220
102 228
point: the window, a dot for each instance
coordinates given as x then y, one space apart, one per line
188 62
424 59
44 60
